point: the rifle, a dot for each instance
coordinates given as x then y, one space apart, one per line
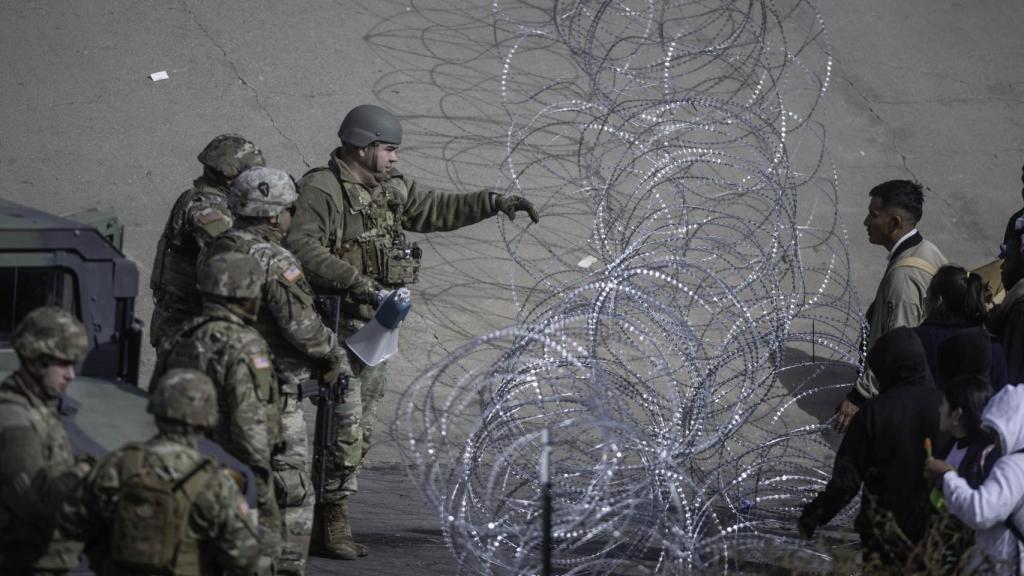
328 395
328 306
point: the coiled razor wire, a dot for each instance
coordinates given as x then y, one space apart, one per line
689 284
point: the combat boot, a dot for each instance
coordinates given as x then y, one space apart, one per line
332 535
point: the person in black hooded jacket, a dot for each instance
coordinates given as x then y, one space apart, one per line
883 452
971 353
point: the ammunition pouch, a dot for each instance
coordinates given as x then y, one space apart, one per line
391 261
173 279
291 487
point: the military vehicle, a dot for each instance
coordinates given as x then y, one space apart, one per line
75 262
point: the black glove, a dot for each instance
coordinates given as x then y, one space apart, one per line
512 204
366 292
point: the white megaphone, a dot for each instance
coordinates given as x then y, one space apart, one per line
378 340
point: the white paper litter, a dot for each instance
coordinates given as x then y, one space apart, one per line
587 262
161 75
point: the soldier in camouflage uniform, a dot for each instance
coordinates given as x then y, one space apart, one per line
37 469
200 214
161 507
348 232
222 343
261 201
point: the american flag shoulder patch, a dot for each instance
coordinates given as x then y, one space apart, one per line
261 362
210 215
293 273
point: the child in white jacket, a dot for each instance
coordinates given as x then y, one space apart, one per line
987 508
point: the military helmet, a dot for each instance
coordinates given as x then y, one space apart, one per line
366 124
50 332
186 396
231 154
231 274
262 192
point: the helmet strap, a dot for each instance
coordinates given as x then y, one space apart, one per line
34 369
247 309
179 432
373 157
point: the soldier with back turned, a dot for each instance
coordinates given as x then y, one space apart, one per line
261 203
161 507
199 215
222 343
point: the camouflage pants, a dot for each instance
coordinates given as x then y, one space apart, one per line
269 512
291 472
354 420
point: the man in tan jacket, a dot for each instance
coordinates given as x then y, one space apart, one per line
893 213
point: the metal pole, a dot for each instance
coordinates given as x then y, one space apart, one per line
545 498
814 341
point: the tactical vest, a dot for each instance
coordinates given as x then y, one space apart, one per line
19 543
173 280
370 237
150 533
220 349
46 423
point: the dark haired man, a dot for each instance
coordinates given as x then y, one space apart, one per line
893 214
1012 222
1006 320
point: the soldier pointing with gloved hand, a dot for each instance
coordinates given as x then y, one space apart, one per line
349 233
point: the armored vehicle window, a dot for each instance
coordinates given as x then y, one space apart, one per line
23 289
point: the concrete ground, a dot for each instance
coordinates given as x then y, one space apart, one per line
923 89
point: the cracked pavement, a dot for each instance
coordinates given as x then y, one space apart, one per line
926 89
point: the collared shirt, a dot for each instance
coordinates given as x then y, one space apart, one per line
896 246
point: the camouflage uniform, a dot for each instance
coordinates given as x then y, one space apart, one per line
350 239
37 468
338 223
221 344
298 340
208 530
199 215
